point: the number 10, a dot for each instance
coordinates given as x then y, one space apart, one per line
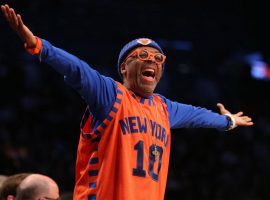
139 171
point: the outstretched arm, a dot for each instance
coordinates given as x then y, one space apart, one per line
188 116
239 118
16 23
98 91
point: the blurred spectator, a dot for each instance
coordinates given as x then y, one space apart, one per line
9 186
2 179
38 186
67 196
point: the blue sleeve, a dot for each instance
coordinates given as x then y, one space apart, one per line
98 91
188 116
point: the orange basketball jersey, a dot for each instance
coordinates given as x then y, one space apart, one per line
127 156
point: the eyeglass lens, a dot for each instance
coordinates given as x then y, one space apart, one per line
145 55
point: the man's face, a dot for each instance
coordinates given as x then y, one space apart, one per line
141 76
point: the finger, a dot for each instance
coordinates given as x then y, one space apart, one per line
21 31
249 124
8 11
220 105
13 16
246 118
244 121
20 21
7 6
3 8
221 108
239 114
249 120
5 12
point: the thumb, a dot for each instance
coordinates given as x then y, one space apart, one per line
222 108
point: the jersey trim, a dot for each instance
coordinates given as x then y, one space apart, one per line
95 136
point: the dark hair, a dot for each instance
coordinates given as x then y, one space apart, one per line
10 185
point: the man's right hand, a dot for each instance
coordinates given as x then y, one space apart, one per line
16 23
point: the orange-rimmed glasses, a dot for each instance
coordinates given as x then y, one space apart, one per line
143 54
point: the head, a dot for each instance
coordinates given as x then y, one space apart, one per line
10 185
38 187
2 179
140 64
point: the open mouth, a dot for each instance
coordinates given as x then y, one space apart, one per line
149 74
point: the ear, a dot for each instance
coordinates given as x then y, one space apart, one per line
123 69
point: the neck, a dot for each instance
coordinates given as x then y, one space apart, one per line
137 92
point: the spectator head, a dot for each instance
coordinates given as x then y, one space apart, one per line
10 185
38 187
2 179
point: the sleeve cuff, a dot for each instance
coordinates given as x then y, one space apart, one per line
231 122
35 50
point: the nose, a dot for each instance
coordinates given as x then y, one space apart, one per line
151 58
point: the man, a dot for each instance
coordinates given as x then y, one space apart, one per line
124 145
38 187
10 185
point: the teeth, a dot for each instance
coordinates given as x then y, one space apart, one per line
150 70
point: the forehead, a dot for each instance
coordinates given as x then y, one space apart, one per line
151 49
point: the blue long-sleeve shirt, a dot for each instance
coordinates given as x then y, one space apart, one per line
99 92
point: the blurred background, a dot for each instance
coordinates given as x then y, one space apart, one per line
217 51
